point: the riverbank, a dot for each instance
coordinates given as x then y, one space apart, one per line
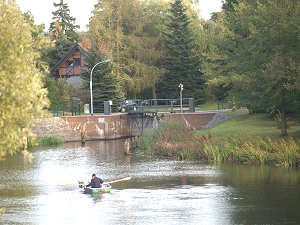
55 126
252 139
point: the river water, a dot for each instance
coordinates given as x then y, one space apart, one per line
44 190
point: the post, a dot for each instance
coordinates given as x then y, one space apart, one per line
180 86
91 83
180 101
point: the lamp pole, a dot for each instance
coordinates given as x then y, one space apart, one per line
91 83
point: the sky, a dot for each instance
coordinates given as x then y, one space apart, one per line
81 10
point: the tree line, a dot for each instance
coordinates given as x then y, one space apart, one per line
246 54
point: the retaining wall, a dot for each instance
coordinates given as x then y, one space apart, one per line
195 121
100 126
117 126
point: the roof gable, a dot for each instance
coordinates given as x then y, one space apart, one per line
67 55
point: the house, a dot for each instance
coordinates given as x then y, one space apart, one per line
70 66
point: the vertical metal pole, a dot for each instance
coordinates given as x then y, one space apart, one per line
180 101
91 88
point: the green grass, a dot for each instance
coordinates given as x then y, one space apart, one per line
253 139
262 125
212 105
49 140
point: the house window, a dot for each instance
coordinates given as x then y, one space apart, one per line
70 64
77 62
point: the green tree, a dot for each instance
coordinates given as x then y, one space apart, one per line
183 61
59 91
262 38
22 97
63 33
105 83
40 42
123 28
63 24
150 49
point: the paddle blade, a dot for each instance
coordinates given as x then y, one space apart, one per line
123 179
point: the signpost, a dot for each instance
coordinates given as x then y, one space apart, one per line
180 86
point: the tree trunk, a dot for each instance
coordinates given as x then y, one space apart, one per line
283 121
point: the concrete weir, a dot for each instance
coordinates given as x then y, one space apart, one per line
125 125
116 126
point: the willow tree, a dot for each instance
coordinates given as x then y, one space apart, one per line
22 97
119 27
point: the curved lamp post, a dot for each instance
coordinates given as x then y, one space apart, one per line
91 83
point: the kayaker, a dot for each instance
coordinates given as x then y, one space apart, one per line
96 182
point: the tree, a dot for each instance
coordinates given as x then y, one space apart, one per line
106 85
40 42
62 32
22 97
58 91
123 28
261 57
183 61
63 24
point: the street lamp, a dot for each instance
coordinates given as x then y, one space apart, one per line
91 83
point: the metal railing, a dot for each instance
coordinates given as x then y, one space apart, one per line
157 105
66 110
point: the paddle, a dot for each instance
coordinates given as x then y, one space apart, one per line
114 181
81 183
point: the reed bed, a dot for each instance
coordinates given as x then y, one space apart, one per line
173 139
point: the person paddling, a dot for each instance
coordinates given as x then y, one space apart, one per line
96 182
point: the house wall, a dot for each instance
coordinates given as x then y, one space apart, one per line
66 70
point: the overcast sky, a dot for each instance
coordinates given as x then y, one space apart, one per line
81 10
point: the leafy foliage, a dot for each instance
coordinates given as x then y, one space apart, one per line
22 96
106 85
257 54
131 31
59 91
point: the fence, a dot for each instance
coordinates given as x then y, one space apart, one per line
66 110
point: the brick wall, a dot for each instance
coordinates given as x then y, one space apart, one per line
100 127
118 125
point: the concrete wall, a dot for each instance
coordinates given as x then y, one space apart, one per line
195 121
100 126
119 125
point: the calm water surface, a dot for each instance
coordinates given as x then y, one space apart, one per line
161 191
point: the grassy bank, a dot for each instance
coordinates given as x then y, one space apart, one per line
244 138
45 141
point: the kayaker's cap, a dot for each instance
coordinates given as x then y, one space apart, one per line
93 175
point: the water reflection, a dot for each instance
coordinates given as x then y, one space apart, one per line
161 191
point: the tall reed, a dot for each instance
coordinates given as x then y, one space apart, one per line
173 139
